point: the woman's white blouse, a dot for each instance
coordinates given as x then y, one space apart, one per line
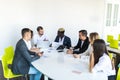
104 65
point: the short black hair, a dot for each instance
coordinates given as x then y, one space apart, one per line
31 33
84 32
39 27
24 30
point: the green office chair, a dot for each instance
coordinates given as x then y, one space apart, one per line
111 55
119 37
118 74
109 38
114 44
7 59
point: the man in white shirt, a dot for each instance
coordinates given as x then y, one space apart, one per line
40 36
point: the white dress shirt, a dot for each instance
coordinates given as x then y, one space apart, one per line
28 44
37 38
82 43
61 41
104 65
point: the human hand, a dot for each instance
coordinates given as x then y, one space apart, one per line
76 55
69 51
40 54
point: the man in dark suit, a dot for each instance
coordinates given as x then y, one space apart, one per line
22 58
63 40
82 44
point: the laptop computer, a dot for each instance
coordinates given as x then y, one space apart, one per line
43 44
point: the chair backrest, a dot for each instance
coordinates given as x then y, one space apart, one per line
109 38
114 44
119 37
7 59
111 55
8 54
118 74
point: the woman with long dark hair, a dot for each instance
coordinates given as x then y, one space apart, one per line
100 60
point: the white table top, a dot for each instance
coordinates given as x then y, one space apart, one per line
113 50
60 66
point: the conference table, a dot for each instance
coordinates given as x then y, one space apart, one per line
61 66
113 50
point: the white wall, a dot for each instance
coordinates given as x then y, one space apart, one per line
112 30
73 15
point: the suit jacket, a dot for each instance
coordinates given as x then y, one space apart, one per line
66 42
83 48
22 58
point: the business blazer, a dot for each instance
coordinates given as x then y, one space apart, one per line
66 42
22 58
83 48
